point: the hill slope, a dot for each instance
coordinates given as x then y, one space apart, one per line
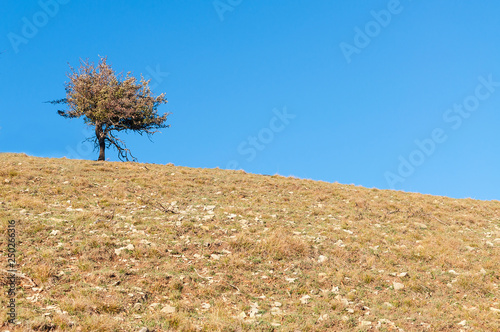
122 246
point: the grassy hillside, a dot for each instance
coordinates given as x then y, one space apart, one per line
127 246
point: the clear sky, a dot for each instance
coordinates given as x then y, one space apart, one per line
385 94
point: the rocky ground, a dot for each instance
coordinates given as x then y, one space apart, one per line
140 247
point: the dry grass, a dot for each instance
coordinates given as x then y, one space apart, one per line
232 251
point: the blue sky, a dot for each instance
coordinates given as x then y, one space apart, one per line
386 94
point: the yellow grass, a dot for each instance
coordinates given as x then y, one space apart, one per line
232 251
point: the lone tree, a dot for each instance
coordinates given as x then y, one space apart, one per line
111 103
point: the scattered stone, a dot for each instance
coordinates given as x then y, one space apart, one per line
242 315
305 299
118 251
254 309
276 311
54 232
206 306
452 272
144 329
290 280
215 257
495 310
340 243
323 318
422 226
398 286
322 259
167 309
463 323
388 305
365 323
403 274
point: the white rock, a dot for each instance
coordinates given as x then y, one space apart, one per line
167 309
215 257
322 259
340 243
290 280
206 306
323 318
398 286
365 323
276 311
305 299
463 323
452 272
242 315
403 274
54 232
495 310
253 311
118 251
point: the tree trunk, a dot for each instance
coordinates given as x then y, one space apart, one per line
102 142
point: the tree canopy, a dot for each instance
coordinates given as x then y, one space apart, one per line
111 103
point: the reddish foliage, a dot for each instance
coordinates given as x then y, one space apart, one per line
112 103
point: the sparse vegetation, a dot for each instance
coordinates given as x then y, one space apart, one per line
122 246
